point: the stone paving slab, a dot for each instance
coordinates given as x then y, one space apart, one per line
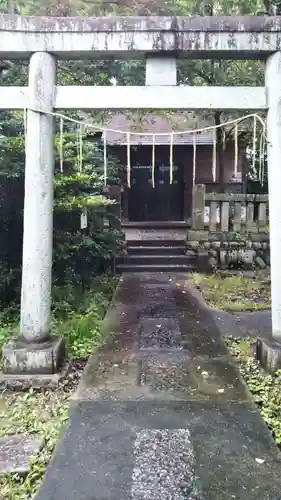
160 309
159 333
188 379
97 459
16 451
147 375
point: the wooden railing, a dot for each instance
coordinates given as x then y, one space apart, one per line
229 212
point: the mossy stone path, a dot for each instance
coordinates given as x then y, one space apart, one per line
161 412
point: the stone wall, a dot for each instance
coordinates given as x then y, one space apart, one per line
230 250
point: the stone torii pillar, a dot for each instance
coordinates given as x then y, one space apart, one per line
269 350
37 351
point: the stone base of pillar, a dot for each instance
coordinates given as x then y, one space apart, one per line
33 365
268 353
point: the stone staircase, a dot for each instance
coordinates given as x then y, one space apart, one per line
156 255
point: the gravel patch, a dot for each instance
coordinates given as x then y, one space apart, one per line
164 466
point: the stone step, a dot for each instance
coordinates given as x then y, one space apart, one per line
156 225
154 268
155 259
156 242
156 250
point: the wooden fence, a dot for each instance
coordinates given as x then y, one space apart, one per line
229 212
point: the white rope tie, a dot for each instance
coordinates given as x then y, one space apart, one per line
194 160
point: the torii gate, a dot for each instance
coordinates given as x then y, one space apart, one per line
161 40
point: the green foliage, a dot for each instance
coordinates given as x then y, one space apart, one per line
43 413
265 388
234 293
77 253
77 315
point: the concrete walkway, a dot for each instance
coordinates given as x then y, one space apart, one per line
161 413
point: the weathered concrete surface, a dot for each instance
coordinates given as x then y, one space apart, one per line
16 451
230 37
38 203
26 381
161 71
273 84
268 352
36 351
23 358
216 24
137 97
244 324
152 411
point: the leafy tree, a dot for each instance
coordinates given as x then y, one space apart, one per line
77 253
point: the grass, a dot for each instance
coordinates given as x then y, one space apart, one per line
77 315
265 388
234 293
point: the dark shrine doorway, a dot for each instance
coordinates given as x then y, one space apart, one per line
165 201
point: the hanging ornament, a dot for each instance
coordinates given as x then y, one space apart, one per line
254 142
128 160
78 133
171 157
262 156
104 158
80 147
84 219
263 162
194 160
223 139
61 144
25 120
79 144
235 150
25 126
214 166
153 161
264 146
77 147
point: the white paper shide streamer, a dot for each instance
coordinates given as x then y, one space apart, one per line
214 166
84 219
235 151
25 126
254 142
80 147
104 158
211 128
194 160
61 144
